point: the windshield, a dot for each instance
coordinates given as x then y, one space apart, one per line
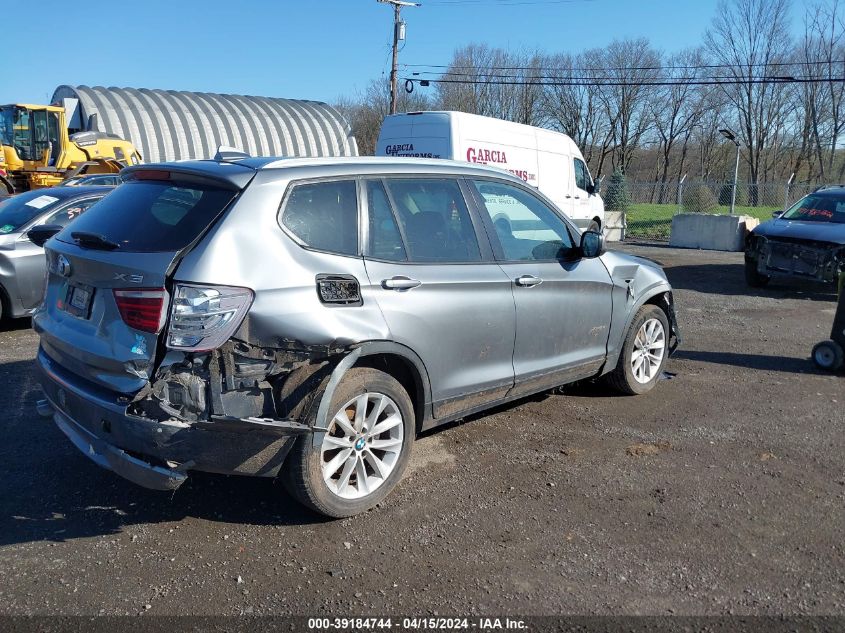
818 208
6 115
22 209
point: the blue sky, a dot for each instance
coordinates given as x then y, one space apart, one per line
302 48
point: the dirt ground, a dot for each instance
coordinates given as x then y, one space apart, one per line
720 492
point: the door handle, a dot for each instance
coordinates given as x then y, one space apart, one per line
528 281
568 196
400 283
577 197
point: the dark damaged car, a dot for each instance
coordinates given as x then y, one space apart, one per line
306 318
807 241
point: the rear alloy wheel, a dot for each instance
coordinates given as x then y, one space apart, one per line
364 451
644 352
752 277
828 355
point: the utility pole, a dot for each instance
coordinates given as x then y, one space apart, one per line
732 137
398 35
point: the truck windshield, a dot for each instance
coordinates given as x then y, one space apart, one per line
7 114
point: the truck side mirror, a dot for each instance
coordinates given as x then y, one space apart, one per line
591 188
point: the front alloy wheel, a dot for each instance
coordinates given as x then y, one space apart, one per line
649 348
644 352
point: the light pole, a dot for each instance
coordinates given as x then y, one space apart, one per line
732 137
398 34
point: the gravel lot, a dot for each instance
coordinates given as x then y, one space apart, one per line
722 491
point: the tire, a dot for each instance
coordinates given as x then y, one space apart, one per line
649 321
314 475
752 277
828 355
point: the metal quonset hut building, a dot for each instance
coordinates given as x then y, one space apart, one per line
173 125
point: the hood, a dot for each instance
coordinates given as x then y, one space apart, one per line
618 258
796 229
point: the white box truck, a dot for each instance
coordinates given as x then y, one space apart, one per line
545 159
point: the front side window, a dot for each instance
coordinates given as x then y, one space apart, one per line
324 216
526 228
434 220
582 176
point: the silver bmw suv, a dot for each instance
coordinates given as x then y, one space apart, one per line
306 318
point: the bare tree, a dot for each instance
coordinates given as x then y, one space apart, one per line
493 82
366 113
751 37
576 110
628 67
676 109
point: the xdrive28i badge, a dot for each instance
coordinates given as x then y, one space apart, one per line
63 266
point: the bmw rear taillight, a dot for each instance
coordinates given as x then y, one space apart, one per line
142 308
202 318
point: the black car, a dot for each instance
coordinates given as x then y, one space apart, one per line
807 241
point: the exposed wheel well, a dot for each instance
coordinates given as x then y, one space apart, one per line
660 302
598 221
404 371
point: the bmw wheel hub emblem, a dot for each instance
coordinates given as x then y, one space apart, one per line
359 445
63 266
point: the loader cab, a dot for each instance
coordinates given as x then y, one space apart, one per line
33 133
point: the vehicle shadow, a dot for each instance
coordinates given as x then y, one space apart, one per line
729 279
763 362
52 492
15 325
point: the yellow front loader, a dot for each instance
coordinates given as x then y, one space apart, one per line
37 151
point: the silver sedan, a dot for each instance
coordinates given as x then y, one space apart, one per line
22 262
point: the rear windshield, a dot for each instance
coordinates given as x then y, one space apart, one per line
22 209
153 216
815 208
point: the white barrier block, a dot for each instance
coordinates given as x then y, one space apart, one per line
711 232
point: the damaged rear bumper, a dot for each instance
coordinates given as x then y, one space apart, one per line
158 454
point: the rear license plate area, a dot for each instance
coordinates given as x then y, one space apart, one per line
78 300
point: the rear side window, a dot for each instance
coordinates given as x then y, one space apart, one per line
324 216
152 215
434 220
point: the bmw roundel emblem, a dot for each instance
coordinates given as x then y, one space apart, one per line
63 266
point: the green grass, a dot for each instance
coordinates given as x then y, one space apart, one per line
654 221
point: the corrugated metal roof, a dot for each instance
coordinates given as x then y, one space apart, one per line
173 125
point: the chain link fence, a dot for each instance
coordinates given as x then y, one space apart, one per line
650 206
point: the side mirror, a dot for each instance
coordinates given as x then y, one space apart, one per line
777 214
592 244
40 234
591 188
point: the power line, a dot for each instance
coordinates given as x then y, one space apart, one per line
624 68
643 82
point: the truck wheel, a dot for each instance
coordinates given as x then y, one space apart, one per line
643 354
362 455
752 277
828 355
